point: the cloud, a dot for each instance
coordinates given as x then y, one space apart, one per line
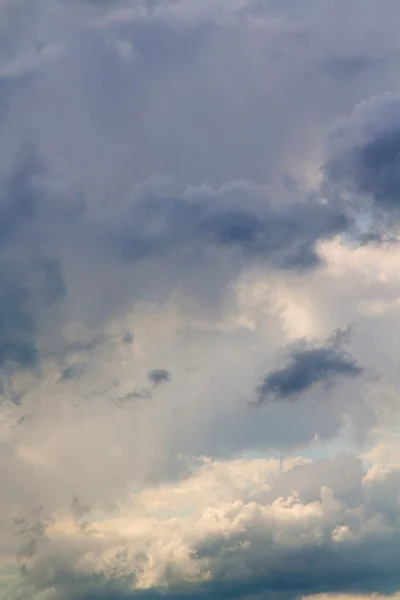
157 376
75 371
307 367
202 217
128 337
364 156
32 60
130 397
32 281
28 291
249 531
160 226
208 184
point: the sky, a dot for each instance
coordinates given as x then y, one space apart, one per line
199 299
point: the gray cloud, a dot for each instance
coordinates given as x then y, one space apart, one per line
79 346
239 128
128 337
27 291
31 533
176 232
20 195
306 368
73 372
239 251
372 170
158 376
263 555
134 396
285 237
32 282
363 165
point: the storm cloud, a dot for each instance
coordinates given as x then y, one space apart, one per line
194 194
306 368
363 164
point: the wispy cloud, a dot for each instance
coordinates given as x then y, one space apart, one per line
30 61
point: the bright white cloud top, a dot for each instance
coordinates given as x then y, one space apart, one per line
199 299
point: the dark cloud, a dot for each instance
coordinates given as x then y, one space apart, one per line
128 337
31 278
285 237
347 67
26 291
158 376
363 166
19 192
307 367
41 216
84 346
31 533
131 397
377 169
310 570
29 199
52 285
371 170
17 327
207 93
73 372
288 237
270 570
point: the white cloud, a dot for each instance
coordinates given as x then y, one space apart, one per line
222 523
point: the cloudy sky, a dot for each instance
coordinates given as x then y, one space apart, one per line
199 299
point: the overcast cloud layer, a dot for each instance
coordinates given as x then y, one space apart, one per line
199 299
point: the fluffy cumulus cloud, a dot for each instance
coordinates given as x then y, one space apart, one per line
199 296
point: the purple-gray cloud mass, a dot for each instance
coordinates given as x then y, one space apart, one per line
199 286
